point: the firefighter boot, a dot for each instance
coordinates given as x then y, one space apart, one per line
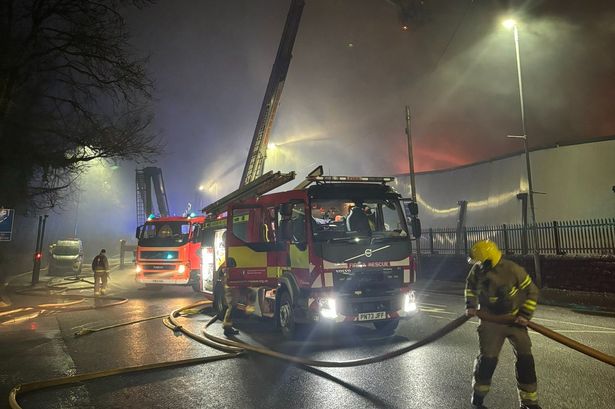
230 331
477 401
227 324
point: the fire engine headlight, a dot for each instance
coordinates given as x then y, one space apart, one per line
409 303
181 269
327 308
139 268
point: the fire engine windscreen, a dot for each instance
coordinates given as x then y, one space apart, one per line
353 218
164 233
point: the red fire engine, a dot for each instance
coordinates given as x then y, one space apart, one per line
335 249
168 251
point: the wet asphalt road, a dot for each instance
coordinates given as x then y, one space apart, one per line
435 376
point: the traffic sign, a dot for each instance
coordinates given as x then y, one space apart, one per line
6 224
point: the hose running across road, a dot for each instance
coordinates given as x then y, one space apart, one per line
451 326
59 290
555 336
235 348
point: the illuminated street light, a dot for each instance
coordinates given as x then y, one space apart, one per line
512 24
509 23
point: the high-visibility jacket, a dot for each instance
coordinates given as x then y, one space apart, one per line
504 289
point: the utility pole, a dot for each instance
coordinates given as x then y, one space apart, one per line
511 24
412 180
77 214
38 251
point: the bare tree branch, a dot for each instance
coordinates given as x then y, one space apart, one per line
70 92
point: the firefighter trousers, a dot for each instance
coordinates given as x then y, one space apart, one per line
491 337
230 304
100 281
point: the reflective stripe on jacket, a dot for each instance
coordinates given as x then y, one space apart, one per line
504 289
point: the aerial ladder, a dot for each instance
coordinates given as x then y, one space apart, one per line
149 180
255 163
253 181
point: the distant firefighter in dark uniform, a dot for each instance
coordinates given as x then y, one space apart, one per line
100 268
501 287
358 221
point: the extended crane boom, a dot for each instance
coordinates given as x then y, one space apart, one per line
255 163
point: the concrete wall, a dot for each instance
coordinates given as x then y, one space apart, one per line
577 180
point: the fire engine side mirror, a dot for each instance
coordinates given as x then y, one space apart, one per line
138 232
196 234
412 209
415 225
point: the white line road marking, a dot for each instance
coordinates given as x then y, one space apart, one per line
582 331
433 305
435 310
573 323
600 330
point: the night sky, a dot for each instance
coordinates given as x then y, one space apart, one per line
354 69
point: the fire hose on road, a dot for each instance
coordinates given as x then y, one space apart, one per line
235 348
451 326
555 336
58 290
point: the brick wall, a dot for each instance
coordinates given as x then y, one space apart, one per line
580 273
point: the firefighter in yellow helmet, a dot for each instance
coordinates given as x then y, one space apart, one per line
501 287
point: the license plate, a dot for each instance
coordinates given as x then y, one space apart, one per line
370 316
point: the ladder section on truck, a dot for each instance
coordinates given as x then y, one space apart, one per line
140 183
258 187
316 172
258 148
149 182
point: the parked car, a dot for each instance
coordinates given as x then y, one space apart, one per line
66 256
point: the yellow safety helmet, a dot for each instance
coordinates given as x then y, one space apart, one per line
484 250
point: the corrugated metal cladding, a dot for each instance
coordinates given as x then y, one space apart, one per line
577 181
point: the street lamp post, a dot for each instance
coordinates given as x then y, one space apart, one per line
412 181
512 24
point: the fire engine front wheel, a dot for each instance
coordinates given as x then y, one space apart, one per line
286 316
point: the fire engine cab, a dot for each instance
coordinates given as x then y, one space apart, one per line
334 249
168 251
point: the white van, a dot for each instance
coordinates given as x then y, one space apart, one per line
66 256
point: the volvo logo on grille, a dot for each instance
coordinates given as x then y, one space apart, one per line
367 253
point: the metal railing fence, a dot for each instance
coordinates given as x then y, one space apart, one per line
574 237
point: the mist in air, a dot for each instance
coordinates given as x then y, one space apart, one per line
354 69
